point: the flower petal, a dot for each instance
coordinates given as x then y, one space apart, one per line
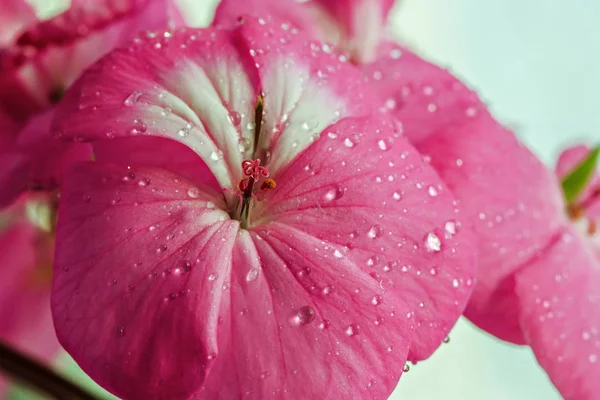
286 11
174 87
559 297
133 269
25 319
413 248
14 16
50 55
362 24
511 199
171 87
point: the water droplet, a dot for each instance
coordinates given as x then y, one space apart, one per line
328 290
376 300
234 118
216 155
382 145
161 249
244 145
212 277
376 231
304 315
252 275
432 191
325 324
348 143
455 283
406 368
395 54
193 192
447 339
138 127
332 135
334 193
352 330
450 227
120 332
432 242
211 356
132 99
397 196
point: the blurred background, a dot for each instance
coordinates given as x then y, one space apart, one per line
537 65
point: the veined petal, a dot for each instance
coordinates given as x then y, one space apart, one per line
513 203
143 289
559 300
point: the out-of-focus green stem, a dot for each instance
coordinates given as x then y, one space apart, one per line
31 373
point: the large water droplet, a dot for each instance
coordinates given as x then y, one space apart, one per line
375 231
244 145
234 118
132 99
304 315
353 330
432 242
376 300
334 193
252 275
193 192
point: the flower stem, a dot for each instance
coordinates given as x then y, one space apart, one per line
32 373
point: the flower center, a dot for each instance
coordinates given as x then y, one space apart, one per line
252 188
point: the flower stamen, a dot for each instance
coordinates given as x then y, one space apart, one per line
255 174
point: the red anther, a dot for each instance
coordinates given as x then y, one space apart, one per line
254 169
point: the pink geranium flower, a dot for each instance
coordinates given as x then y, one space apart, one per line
512 200
26 250
249 227
38 61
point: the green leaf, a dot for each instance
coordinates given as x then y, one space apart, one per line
574 183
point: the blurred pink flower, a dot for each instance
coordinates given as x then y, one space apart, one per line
181 273
26 252
38 61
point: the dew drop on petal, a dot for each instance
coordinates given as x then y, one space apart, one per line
132 99
120 332
432 242
234 118
193 192
328 290
450 227
334 193
406 368
348 143
325 324
432 191
376 300
375 231
252 275
304 315
352 330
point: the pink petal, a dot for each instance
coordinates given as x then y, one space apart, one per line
152 307
287 11
50 55
36 161
560 297
362 23
511 199
14 16
359 231
25 265
144 90
141 151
